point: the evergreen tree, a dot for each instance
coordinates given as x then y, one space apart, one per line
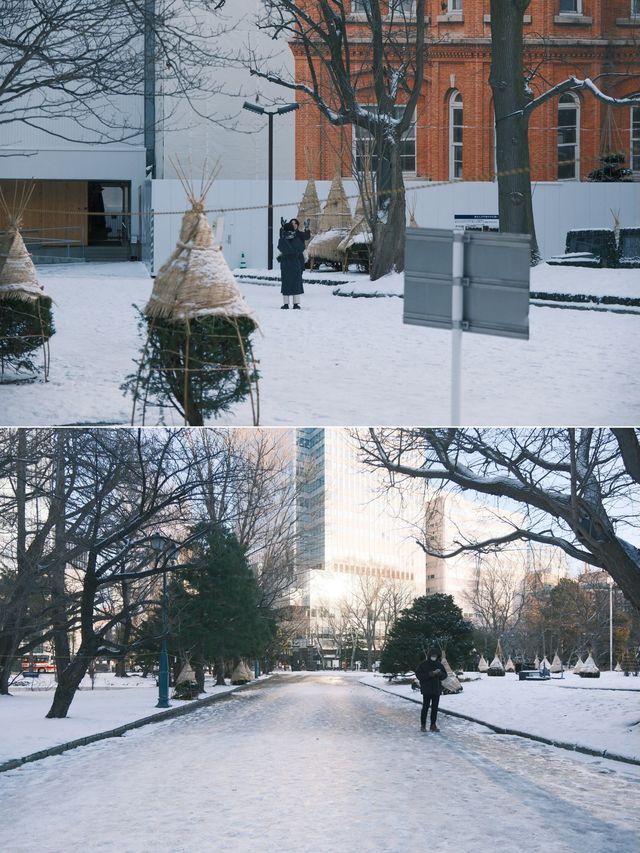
431 619
215 607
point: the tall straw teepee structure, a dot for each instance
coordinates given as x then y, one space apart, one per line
309 207
334 225
26 320
197 356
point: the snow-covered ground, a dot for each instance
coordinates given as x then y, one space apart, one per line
319 763
351 361
24 728
602 714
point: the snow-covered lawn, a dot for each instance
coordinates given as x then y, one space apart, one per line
602 714
351 361
24 728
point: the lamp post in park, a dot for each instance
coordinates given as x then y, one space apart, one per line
256 108
161 545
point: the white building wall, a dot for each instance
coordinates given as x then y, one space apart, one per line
240 143
558 207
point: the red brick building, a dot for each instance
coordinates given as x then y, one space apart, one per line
453 133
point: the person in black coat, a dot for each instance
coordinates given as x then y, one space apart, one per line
291 248
431 673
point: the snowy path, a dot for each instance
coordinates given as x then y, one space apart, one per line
341 361
319 763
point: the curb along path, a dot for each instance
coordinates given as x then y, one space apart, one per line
178 711
571 747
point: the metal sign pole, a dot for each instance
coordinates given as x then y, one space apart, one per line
456 325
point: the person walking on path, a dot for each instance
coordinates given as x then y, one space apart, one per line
431 673
291 248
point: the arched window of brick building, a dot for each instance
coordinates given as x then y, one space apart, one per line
568 138
455 136
635 139
364 147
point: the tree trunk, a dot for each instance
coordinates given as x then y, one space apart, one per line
507 82
220 672
60 636
125 634
389 230
69 679
198 668
16 607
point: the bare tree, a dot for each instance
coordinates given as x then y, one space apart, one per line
76 59
367 73
497 595
254 492
575 490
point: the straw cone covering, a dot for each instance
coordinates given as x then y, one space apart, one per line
496 663
556 664
18 277
196 280
310 206
509 666
483 666
359 232
451 683
186 674
536 662
589 665
578 667
545 663
241 673
336 212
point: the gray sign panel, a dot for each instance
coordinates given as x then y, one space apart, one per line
428 267
496 279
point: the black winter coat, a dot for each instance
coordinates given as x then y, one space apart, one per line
291 248
431 674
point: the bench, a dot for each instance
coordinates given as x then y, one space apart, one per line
532 675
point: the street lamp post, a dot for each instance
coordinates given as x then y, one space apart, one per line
162 544
256 108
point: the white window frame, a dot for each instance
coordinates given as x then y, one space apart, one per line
454 7
358 7
409 134
400 12
456 102
634 161
635 9
576 11
575 145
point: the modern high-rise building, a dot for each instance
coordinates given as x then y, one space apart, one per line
357 539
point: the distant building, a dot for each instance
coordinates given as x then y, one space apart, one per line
451 521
